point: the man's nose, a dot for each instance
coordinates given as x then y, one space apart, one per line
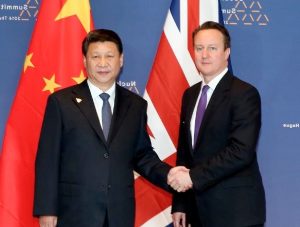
204 53
102 61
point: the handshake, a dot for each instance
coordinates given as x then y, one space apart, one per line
179 179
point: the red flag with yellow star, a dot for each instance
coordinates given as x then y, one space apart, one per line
53 61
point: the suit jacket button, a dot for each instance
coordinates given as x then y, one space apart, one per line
105 155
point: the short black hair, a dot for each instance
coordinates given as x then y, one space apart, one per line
101 35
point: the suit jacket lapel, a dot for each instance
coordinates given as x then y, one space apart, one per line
221 92
83 99
121 106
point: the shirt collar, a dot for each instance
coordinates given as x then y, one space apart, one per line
214 82
95 91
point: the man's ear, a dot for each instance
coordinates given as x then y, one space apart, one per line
121 60
227 53
84 61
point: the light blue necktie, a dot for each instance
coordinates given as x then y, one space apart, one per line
200 111
106 114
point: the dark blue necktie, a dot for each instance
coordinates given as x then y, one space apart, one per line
200 111
106 114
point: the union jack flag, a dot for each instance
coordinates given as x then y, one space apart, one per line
172 72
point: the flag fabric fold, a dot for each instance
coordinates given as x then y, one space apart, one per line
53 61
172 72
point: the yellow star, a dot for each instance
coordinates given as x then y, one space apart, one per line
50 84
28 62
80 78
79 8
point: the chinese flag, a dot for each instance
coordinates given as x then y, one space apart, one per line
53 61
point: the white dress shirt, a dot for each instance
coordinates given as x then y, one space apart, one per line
98 102
212 85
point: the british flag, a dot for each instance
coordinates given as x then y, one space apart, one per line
172 72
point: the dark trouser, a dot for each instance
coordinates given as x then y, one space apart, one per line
106 221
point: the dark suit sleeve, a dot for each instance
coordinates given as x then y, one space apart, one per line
47 161
241 140
147 163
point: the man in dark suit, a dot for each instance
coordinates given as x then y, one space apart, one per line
218 147
93 137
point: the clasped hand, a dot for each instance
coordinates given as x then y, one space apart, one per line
179 179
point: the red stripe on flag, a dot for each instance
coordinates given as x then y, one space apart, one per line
193 22
150 132
151 200
166 86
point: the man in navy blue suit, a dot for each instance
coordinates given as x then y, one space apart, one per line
218 142
89 146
